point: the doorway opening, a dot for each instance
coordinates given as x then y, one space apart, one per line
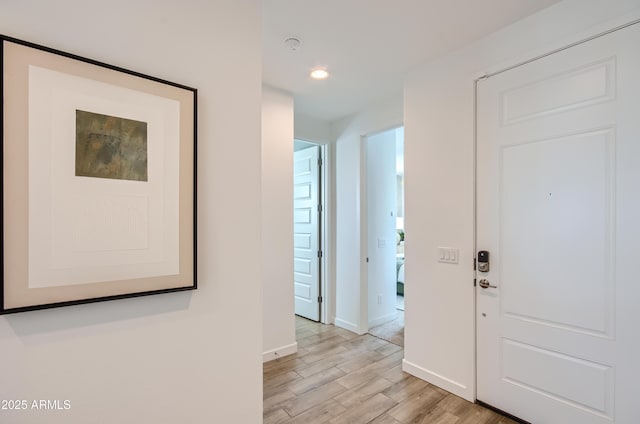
309 225
384 154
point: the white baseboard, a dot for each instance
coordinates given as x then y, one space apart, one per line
280 352
447 384
349 326
383 319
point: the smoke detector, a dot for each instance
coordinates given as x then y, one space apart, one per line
293 43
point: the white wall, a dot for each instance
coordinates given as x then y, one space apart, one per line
351 307
183 357
279 333
439 332
381 223
312 129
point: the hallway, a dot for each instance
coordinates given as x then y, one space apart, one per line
338 377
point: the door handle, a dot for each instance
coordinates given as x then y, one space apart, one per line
485 284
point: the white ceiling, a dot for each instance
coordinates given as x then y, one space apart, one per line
369 45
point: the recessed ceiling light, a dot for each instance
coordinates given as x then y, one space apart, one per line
319 73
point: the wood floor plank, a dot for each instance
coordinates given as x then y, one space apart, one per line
479 415
319 414
455 405
314 339
316 380
327 350
505 420
298 404
327 344
277 416
345 333
417 406
363 374
330 361
276 382
365 411
395 374
359 360
385 419
281 366
274 400
365 342
386 363
364 391
405 388
391 331
439 416
388 349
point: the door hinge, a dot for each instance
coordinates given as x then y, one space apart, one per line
474 282
474 264
319 253
319 161
319 208
367 260
319 299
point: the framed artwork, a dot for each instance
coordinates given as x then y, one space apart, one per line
98 181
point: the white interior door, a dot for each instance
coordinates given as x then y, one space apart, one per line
559 211
306 226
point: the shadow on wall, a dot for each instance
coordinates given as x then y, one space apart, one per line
49 321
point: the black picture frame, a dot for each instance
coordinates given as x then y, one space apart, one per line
105 235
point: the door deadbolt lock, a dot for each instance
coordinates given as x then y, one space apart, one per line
483 261
485 284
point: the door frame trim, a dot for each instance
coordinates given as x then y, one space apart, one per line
325 235
557 50
606 28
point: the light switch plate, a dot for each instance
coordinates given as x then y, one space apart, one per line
448 255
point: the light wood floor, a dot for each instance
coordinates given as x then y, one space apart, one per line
392 331
338 377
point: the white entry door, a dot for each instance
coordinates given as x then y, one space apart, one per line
306 226
558 209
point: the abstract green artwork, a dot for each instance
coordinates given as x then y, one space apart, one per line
110 147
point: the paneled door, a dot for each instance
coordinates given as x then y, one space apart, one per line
558 210
306 226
